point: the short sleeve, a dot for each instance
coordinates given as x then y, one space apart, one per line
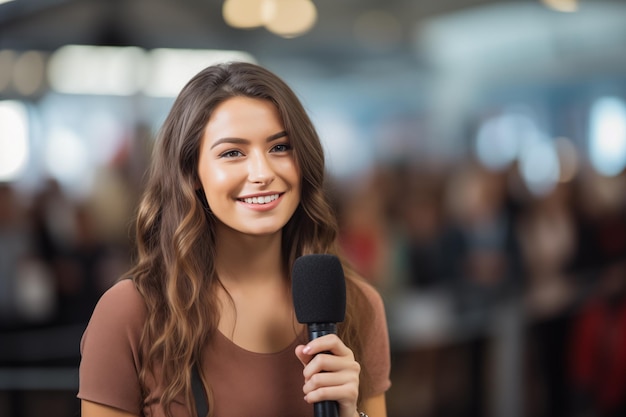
376 351
109 349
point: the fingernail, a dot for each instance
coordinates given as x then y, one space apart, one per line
306 349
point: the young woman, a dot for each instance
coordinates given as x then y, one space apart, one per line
235 194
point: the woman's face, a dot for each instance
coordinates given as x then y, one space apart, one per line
247 168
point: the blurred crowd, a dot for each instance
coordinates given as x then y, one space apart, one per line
523 297
547 272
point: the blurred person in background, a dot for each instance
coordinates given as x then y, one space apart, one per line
481 269
548 241
67 241
482 250
27 287
597 348
235 195
422 216
14 247
600 204
364 230
597 342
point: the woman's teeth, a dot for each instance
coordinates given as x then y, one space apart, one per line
261 200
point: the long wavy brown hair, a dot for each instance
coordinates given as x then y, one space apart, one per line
175 267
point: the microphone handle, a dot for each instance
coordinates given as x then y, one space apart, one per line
323 408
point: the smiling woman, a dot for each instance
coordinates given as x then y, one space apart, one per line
235 195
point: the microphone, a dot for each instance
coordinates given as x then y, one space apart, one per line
319 298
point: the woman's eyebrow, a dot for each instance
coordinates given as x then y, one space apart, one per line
241 141
275 136
238 141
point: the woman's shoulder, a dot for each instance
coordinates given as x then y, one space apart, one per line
369 291
110 349
366 287
123 303
123 292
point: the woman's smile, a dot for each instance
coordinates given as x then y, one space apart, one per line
262 202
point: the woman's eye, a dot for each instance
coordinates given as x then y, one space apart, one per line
230 154
281 147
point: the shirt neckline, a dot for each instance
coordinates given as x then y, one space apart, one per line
299 339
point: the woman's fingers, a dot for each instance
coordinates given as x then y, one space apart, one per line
345 393
331 373
328 343
329 379
331 363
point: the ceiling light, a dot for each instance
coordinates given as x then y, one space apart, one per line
109 70
171 69
124 71
289 18
566 6
243 14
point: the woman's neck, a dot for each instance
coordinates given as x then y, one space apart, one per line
248 259
256 309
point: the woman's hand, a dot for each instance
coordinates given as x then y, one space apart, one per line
330 373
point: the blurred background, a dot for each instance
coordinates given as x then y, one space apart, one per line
476 152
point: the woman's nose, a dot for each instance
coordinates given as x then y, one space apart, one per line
260 169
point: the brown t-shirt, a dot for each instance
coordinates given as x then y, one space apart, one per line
243 383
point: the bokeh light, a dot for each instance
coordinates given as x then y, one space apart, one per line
14 145
289 18
67 159
607 136
539 166
243 14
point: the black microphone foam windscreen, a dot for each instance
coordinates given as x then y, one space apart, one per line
319 289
